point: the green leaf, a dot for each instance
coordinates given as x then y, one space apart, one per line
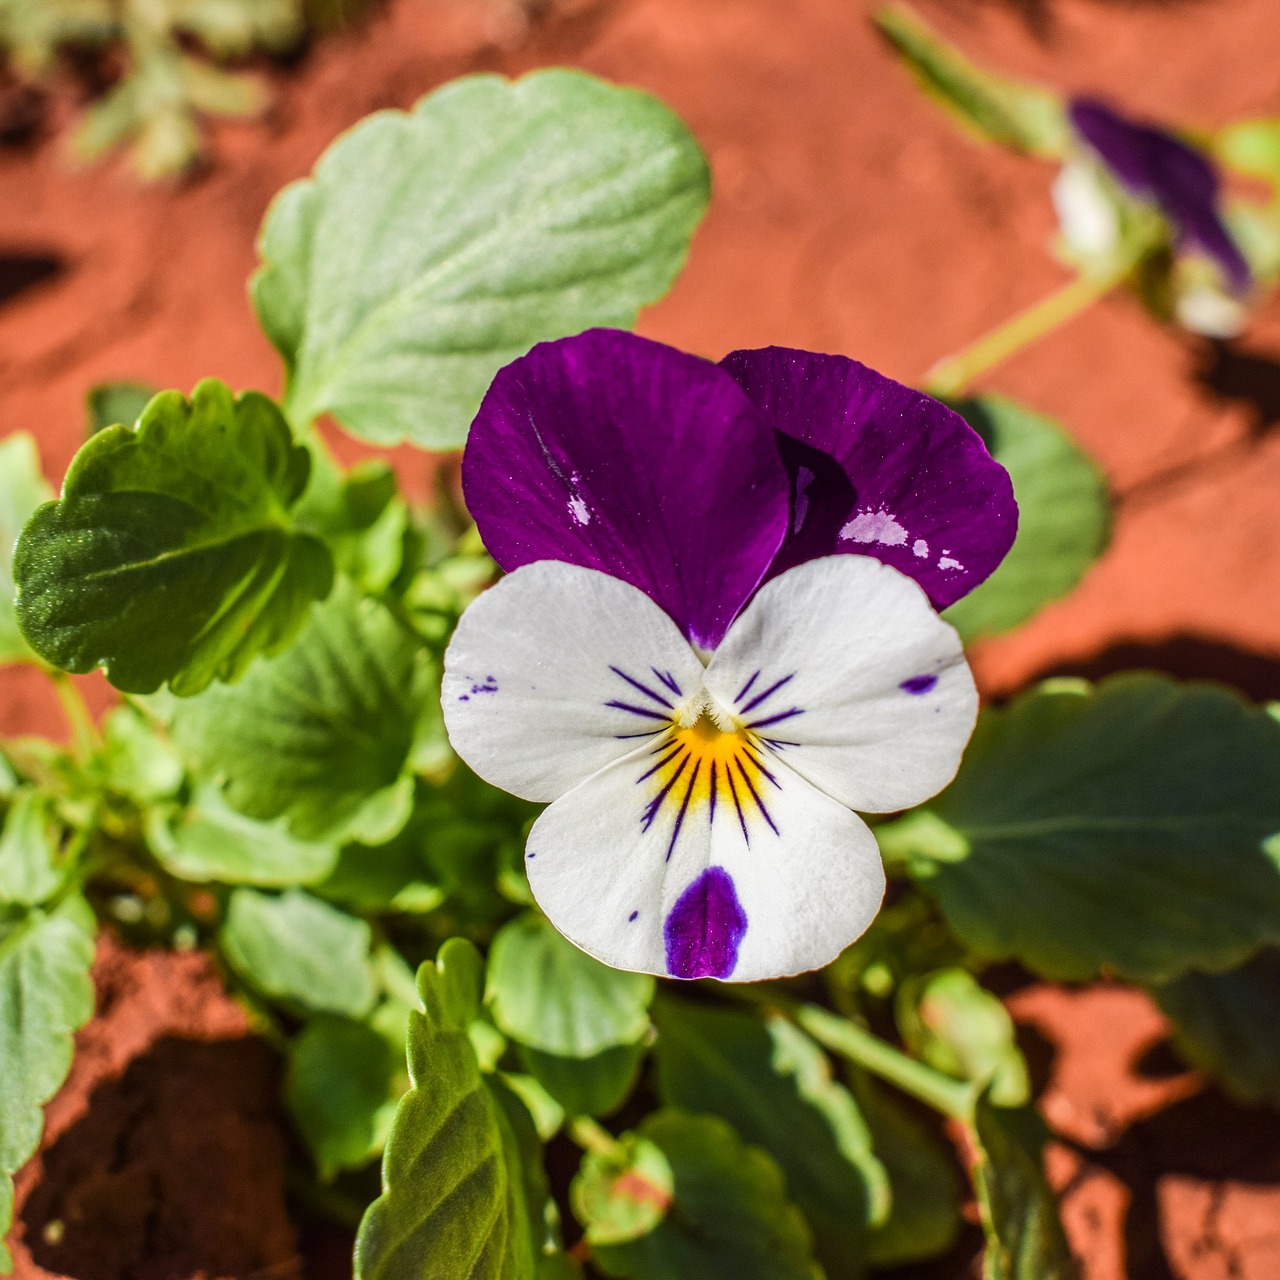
1252 148
28 850
22 489
523 1150
359 516
773 1084
210 841
116 402
344 1081
431 248
323 734
595 1086
1229 1025
46 995
949 1021
1025 1240
1064 517
300 950
171 555
450 1205
924 1219
139 762
387 877
683 1197
548 995
1007 112
1127 827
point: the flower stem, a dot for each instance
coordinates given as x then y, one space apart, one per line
865 1049
594 1137
84 733
952 376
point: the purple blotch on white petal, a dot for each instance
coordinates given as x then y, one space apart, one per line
705 928
918 684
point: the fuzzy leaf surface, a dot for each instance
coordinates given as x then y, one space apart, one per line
773 1084
687 1197
1064 517
22 489
323 734
432 247
171 555
1129 827
1229 1025
451 1204
46 995
298 949
549 995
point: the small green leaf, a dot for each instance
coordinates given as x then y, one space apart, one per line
1064 517
139 762
22 489
171 555
949 1021
116 402
684 1197
1025 1240
595 1086
1022 116
431 248
774 1085
1229 1025
209 841
450 1204
1126 827
924 1219
548 995
300 950
28 850
359 515
46 995
344 1081
1252 148
323 734
387 877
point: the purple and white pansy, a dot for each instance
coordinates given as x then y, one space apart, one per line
1156 168
686 660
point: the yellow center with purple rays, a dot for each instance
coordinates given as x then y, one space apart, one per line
706 760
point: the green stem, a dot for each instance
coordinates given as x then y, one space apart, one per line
864 1049
860 1046
952 376
84 733
594 1137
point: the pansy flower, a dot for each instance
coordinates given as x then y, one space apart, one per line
717 638
1158 169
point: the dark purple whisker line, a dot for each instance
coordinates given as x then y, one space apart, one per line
648 733
648 693
668 680
779 743
749 755
711 816
768 693
684 805
746 688
655 804
755 795
782 715
638 711
737 804
666 760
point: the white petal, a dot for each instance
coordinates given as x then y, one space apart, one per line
842 666
556 671
787 877
1086 209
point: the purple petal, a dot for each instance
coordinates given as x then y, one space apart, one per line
616 453
1155 165
705 928
880 470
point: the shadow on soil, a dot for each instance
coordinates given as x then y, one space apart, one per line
22 271
176 1169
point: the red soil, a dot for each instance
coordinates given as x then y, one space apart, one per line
849 216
